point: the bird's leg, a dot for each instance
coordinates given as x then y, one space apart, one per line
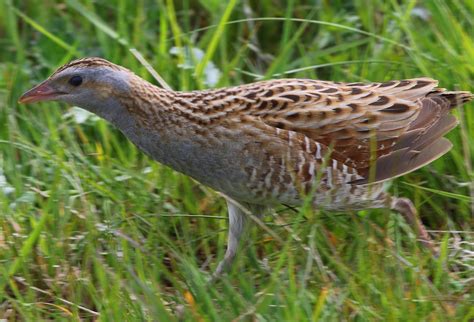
238 224
405 207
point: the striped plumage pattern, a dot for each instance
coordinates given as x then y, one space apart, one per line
313 136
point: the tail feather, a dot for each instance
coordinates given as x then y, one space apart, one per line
405 160
419 139
455 98
423 142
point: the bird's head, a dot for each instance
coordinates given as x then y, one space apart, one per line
91 83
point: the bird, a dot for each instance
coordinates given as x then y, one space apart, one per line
282 141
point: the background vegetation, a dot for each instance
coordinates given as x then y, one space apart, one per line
92 229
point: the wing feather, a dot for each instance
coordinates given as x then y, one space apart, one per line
396 126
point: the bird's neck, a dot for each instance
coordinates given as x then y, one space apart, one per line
148 117
141 106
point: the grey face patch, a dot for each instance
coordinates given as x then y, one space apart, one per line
118 79
95 83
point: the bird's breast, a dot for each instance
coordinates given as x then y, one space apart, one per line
213 158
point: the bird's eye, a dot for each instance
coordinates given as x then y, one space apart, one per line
75 80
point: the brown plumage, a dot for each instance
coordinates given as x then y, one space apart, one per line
274 141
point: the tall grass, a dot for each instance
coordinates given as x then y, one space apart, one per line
90 228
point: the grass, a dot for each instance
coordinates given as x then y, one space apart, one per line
91 229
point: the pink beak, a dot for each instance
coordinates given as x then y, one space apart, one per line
41 92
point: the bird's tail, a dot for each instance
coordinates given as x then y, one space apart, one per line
423 142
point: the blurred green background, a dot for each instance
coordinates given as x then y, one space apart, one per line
91 229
